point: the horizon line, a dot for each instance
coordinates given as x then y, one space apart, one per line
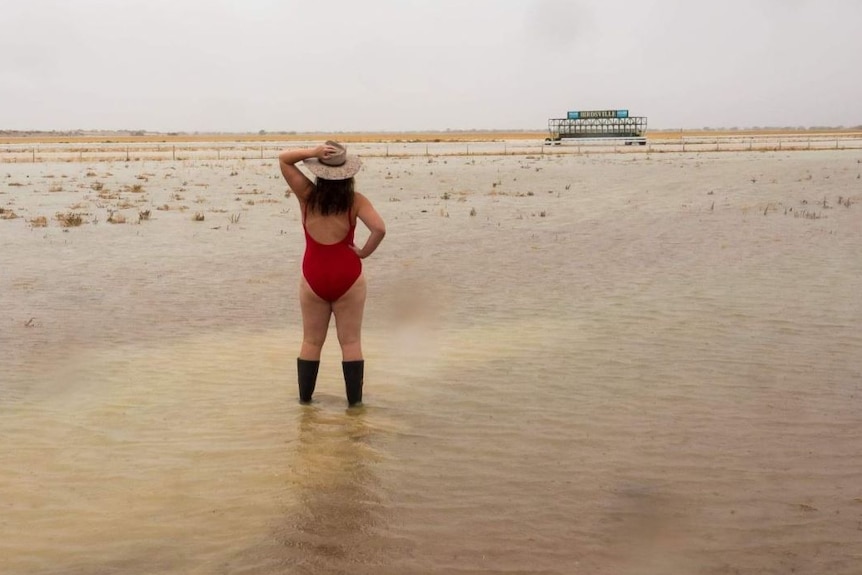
140 132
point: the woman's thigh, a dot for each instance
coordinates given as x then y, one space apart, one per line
348 312
315 314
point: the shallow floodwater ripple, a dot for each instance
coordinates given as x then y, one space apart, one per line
619 379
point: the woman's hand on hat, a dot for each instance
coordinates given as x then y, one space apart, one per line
324 151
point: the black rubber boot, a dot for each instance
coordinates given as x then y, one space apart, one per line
306 369
354 372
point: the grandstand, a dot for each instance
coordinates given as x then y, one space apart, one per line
598 125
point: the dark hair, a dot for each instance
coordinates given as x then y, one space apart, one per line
331 196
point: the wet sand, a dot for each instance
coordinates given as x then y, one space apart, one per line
612 363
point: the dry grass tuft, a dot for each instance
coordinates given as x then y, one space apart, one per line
198 217
115 218
70 219
7 214
143 216
39 222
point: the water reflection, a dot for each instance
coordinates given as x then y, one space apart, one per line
338 518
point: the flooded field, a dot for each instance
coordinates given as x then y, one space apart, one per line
601 363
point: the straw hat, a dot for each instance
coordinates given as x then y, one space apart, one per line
338 166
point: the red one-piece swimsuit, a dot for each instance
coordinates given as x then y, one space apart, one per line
330 269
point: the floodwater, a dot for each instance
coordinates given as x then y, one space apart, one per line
613 366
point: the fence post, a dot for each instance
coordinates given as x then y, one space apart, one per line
34 154
174 152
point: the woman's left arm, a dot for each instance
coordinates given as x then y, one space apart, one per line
372 220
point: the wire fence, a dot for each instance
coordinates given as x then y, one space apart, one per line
180 151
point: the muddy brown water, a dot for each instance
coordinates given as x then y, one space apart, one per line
597 364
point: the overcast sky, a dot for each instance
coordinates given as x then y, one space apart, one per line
365 65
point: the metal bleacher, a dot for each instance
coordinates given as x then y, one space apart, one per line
598 125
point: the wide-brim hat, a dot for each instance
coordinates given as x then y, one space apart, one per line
338 166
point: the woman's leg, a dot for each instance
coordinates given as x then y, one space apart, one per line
348 312
348 322
315 321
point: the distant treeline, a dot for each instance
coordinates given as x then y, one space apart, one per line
72 133
137 133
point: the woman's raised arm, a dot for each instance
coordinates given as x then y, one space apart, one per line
296 180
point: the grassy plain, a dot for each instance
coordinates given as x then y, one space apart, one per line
381 137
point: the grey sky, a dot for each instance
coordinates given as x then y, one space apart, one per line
247 65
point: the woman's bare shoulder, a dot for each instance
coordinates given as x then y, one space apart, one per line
360 199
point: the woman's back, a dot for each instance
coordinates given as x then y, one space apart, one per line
328 229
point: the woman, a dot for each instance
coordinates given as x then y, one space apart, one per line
332 280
